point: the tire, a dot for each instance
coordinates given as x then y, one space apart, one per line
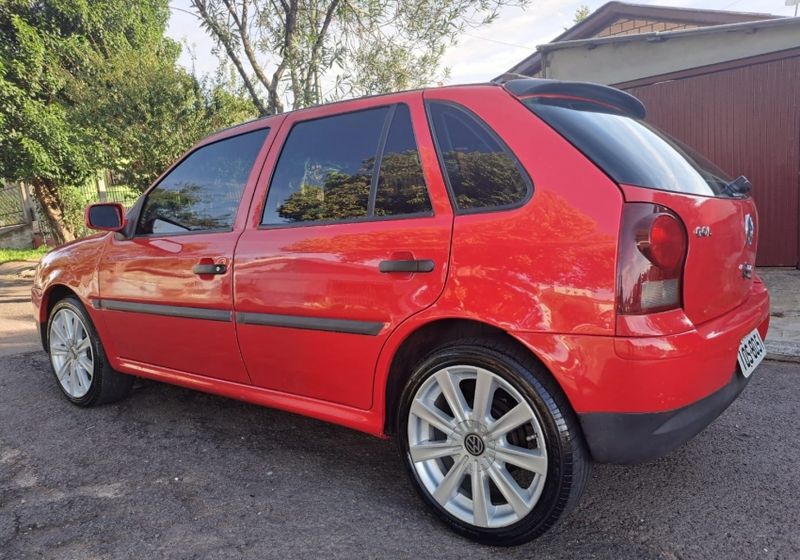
515 501
78 359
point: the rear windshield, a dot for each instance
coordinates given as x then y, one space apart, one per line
630 151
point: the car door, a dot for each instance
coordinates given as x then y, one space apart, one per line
166 293
352 238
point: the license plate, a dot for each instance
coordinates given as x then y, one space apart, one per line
751 352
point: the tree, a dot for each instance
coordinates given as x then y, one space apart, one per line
473 171
155 112
341 196
581 13
87 86
314 50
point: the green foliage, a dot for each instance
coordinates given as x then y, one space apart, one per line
54 57
361 46
75 199
90 85
401 186
124 194
342 196
156 114
339 196
12 255
485 179
581 13
178 207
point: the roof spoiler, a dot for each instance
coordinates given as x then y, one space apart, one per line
531 87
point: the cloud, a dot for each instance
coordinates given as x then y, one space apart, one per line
490 50
480 54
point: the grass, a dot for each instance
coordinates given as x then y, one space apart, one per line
11 255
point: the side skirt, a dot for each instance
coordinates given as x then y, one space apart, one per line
362 420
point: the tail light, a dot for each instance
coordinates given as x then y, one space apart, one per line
652 251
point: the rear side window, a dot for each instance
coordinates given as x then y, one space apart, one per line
401 184
630 151
481 171
202 192
350 166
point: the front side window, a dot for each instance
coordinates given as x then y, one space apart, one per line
346 167
202 193
481 171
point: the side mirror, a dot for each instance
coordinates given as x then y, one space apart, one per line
107 216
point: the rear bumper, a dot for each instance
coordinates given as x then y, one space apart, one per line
632 438
639 397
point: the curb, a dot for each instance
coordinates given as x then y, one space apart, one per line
783 351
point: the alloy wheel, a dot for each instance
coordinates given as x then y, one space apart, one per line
71 353
477 446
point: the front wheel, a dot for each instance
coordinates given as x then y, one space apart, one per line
490 442
78 358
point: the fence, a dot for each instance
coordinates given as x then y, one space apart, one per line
12 211
106 188
102 188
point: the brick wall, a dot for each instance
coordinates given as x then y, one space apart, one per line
637 26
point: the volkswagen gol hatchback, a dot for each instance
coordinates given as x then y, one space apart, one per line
512 280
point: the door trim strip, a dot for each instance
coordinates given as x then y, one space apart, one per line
347 326
165 310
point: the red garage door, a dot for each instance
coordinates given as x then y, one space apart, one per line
745 116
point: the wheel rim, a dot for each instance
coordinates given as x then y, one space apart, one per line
477 446
71 353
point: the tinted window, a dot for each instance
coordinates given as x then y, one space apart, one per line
401 184
628 150
481 171
202 193
325 169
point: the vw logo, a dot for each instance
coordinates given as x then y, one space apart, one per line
749 228
474 444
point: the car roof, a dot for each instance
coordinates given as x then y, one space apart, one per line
268 120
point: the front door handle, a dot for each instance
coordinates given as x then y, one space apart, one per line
407 265
209 268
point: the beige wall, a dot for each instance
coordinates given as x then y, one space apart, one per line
16 237
622 61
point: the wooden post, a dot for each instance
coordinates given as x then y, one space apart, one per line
27 203
101 186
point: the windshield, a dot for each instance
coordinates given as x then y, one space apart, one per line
630 151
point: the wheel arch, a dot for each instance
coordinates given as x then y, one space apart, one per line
427 337
51 296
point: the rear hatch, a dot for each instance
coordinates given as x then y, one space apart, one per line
650 166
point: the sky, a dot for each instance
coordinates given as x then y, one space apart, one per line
483 53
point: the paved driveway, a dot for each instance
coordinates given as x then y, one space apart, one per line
17 329
178 474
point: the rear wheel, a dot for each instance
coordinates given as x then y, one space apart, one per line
78 359
490 442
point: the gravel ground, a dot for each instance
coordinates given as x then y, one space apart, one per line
178 474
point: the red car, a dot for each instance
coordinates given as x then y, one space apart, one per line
513 280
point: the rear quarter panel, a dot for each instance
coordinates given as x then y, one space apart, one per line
550 265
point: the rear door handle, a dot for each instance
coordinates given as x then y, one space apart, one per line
409 265
209 268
